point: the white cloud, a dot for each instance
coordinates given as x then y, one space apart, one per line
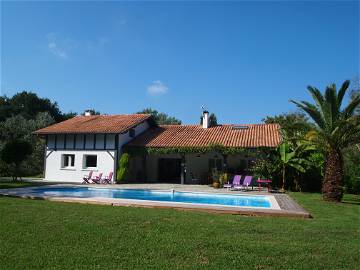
60 47
59 52
157 88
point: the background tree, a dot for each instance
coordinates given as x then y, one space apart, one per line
161 118
18 128
14 153
28 105
355 91
20 115
212 120
336 129
295 125
92 111
352 170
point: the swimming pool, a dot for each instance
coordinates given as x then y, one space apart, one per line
228 200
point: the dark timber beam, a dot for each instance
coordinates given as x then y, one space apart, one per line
84 142
74 141
94 145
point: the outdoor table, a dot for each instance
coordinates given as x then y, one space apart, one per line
267 181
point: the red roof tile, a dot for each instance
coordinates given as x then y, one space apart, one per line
96 124
256 135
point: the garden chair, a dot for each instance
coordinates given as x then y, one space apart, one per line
97 179
247 182
235 182
108 179
87 178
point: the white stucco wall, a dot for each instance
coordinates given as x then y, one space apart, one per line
105 161
125 138
54 171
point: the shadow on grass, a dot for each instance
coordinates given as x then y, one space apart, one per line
4 184
351 199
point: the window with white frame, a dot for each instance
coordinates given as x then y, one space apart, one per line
90 161
68 161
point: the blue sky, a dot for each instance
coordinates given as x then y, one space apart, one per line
242 60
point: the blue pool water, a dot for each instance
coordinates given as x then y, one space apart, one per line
156 195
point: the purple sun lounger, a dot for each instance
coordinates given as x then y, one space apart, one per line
235 182
247 182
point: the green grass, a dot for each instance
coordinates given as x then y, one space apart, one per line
37 234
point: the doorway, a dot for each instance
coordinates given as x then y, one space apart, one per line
169 170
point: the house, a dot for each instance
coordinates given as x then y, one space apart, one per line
165 153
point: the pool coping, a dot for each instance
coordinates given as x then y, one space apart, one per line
286 207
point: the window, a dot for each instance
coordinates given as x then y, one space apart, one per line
68 161
90 161
132 133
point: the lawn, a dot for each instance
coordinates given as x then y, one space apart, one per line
39 234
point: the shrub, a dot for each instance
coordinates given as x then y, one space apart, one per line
123 169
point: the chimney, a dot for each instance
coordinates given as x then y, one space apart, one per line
88 113
205 122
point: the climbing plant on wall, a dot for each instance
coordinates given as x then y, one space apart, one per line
225 150
123 169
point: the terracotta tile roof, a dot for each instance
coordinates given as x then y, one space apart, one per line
96 124
256 135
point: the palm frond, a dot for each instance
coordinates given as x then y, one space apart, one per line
350 109
297 167
342 92
312 111
317 96
331 105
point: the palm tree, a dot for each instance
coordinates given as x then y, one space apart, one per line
336 128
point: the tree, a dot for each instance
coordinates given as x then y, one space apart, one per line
161 118
28 105
352 170
18 128
294 125
15 152
355 91
336 129
290 158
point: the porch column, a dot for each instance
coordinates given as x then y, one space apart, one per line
225 163
183 169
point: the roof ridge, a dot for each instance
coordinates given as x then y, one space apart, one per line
122 114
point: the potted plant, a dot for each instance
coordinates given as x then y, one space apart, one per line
215 177
223 178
